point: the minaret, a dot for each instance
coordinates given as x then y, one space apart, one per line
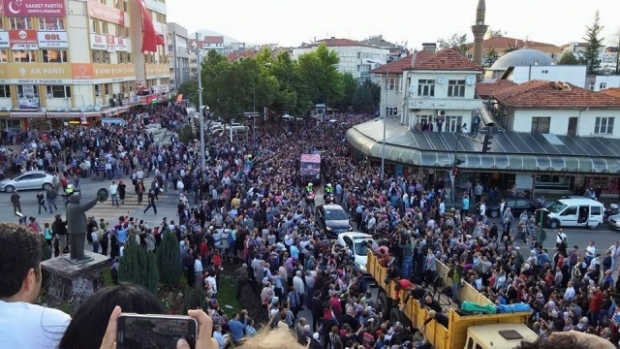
479 30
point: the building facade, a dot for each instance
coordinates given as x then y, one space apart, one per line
75 61
178 54
355 57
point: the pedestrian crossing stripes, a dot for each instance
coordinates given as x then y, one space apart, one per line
110 213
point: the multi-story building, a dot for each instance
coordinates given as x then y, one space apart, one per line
178 54
355 57
76 61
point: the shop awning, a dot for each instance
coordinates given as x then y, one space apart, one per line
510 151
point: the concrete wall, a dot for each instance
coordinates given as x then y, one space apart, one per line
521 121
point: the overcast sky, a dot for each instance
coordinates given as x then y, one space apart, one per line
291 22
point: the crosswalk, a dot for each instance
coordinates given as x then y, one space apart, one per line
110 213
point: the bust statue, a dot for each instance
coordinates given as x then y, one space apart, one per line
76 223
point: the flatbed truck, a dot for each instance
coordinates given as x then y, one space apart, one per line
489 331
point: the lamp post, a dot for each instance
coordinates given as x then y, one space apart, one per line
203 162
384 112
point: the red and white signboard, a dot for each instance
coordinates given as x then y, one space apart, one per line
121 44
34 8
98 42
110 42
23 39
53 40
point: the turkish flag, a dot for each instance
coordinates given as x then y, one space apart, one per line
149 36
160 40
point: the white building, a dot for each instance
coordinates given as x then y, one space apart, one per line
602 82
557 109
354 56
178 54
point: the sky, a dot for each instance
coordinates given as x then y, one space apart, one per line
291 22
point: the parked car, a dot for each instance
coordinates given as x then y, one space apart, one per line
517 205
614 221
333 219
358 244
28 180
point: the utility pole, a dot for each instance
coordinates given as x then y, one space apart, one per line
387 81
203 163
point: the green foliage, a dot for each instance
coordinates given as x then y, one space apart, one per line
349 87
192 299
590 57
186 133
457 43
139 267
568 58
189 89
367 97
169 260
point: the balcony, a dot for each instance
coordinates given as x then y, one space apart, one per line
444 103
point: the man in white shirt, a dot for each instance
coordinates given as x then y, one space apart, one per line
198 271
560 236
210 280
615 253
114 193
570 293
24 325
590 252
483 209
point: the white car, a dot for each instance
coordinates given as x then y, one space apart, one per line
614 221
28 180
358 244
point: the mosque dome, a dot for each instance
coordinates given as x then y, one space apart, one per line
521 58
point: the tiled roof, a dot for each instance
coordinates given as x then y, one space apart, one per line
487 89
557 95
500 43
213 40
333 42
614 92
447 60
241 54
397 66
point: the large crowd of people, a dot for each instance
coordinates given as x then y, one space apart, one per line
249 208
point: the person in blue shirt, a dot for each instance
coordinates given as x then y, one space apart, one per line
237 328
465 205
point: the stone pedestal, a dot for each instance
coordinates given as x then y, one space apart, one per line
72 283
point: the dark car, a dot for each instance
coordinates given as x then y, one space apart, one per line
517 205
333 219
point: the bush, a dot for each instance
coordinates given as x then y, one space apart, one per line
139 267
169 260
186 134
193 299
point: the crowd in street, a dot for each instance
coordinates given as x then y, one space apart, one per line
249 208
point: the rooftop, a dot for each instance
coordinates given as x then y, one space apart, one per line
334 42
213 40
501 43
234 56
558 95
446 60
397 66
614 92
486 89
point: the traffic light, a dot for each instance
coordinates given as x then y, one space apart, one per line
486 143
455 171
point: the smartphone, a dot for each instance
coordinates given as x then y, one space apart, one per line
137 331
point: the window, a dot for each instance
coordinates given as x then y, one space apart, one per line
595 210
540 124
51 23
21 23
425 119
571 211
100 56
55 56
5 91
105 56
545 72
59 91
604 125
602 86
93 25
24 56
456 88
592 86
453 123
391 111
4 56
96 56
394 84
27 91
426 88
97 91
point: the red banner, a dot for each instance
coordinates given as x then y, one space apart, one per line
34 8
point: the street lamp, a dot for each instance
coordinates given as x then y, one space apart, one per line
384 112
203 163
266 64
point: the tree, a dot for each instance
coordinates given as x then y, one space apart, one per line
139 267
591 56
367 97
617 47
192 299
350 85
491 53
456 42
189 89
169 260
496 33
317 69
568 58
510 48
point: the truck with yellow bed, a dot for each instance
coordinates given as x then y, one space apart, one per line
488 331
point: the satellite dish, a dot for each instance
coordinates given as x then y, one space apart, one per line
82 109
97 107
90 107
470 80
441 80
412 88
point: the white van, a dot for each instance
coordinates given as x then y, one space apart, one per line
575 212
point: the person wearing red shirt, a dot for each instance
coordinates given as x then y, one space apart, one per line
402 284
334 301
596 302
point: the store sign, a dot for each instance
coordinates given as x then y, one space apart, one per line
34 8
115 72
105 13
110 42
98 42
157 70
23 39
53 40
83 73
122 44
4 39
161 89
41 74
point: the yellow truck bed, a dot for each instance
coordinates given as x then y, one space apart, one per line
436 334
